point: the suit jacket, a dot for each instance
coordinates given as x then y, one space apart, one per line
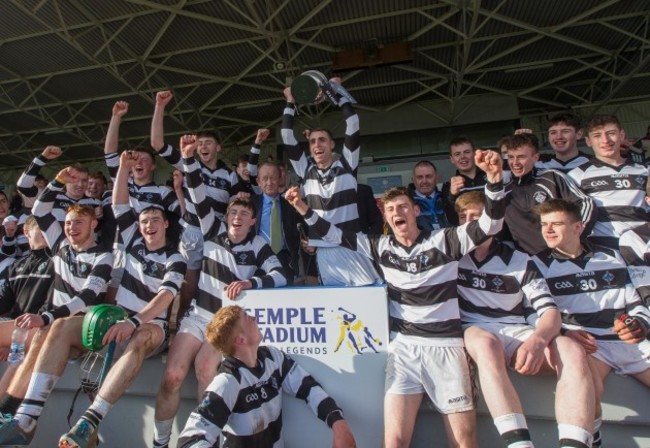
289 257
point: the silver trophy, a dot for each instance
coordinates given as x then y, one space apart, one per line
312 87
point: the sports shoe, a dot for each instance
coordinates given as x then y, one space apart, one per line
12 434
5 418
78 436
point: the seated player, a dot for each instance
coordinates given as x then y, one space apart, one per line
82 270
234 259
153 274
498 287
264 372
592 289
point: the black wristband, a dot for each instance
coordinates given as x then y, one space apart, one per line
47 318
135 321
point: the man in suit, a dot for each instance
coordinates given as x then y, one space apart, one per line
285 241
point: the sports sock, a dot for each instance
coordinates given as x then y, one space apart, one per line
162 432
9 404
97 411
598 438
514 430
40 387
574 436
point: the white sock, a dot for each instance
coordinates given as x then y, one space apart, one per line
39 389
514 430
575 434
162 431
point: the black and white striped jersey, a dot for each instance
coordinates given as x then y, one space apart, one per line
618 193
592 290
505 288
422 279
27 179
18 246
61 201
146 272
144 196
80 278
219 183
553 163
635 250
223 261
245 404
331 193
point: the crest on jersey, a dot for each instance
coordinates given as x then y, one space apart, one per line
608 277
539 197
497 283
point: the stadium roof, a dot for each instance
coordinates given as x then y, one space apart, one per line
63 63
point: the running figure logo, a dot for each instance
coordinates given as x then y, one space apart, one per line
356 335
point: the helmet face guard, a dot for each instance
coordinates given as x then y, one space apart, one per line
97 321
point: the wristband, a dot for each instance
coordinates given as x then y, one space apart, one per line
135 321
47 318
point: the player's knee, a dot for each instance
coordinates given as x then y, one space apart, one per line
205 370
396 440
486 348
173 378
570 353
142 339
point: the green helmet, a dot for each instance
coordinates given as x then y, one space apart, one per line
97 321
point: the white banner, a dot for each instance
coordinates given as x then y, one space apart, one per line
340 336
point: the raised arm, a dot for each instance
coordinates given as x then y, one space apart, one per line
44 205
195 186
120 108
25 184
352 140
297 157
253 161
157 128
125 216
463 239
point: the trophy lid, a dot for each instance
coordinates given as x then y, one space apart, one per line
306 88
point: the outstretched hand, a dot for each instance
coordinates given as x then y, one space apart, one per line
491 163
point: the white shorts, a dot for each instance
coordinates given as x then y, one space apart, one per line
624 358
440 371
194 325
191 247
510 335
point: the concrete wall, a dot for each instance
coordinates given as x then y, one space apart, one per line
129 424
